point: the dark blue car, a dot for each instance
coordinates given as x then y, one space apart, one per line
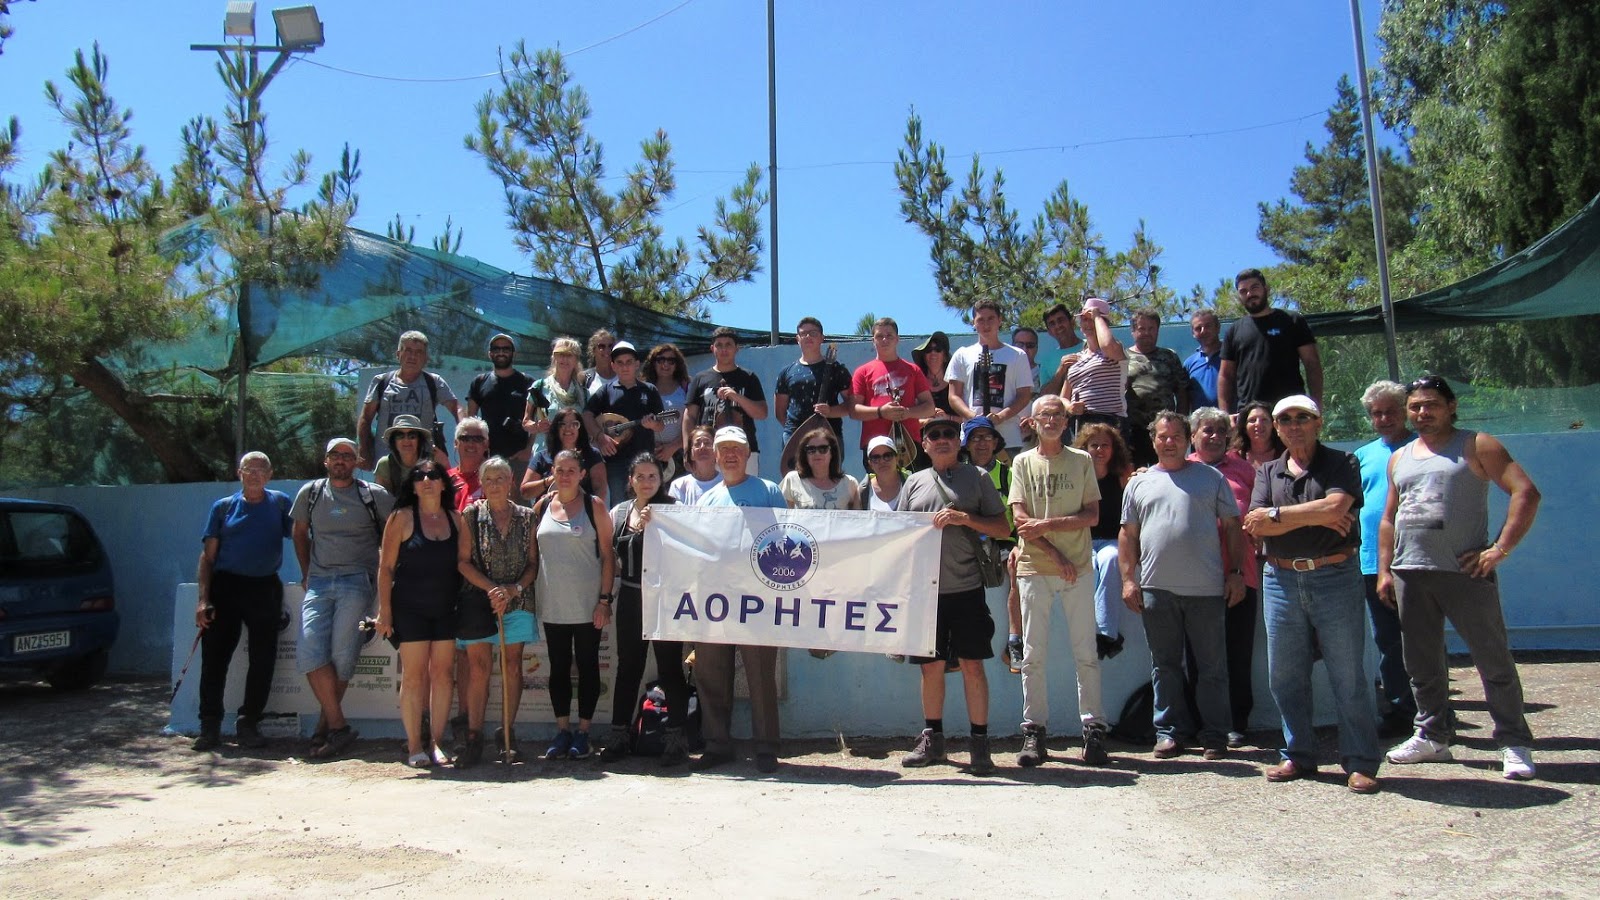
58 615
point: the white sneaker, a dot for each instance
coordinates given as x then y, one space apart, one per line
1419 750
1516 763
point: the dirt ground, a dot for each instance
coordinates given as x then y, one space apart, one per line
95 802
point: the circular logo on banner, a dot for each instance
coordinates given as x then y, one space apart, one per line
784 556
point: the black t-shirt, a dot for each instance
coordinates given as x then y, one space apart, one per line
631 403
1265 353
1110 525
800 381
703 392
1331 472
544 463
501 403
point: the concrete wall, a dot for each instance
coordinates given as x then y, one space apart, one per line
152 533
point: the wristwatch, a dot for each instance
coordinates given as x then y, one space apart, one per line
606 598
1275 514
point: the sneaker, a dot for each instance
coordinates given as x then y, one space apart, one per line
980 763
1014 655
676 749
249 735
580 746
1034 751
335 742
1107 647
1419 750
1516 763
210 739
618 744
561 746
1094 747
929 749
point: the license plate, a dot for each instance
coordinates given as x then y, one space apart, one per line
48 640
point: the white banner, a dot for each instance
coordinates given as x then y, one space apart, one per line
813 579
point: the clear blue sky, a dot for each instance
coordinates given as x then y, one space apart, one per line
1242 85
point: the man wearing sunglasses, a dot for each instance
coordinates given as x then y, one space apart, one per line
965 505
499 397
1304 509
1436 560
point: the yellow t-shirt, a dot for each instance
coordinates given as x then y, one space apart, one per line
1049 487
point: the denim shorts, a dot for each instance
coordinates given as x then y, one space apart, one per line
520 629
330 622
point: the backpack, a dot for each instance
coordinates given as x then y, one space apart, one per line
362 488
1136 724
648 733
543 505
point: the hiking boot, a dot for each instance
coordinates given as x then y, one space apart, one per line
1014 655
471 750
1419 750
981 763
249 735
1034 751
579 748
459 728
1516 763
1094 747
561 746
1107 647
929 749
676 749
514 755
210 737
335 742
617 744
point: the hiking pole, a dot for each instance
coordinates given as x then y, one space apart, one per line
505 693
185 670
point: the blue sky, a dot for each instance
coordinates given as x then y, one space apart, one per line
1045 91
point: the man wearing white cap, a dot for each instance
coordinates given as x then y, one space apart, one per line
338 524
714 662
1303 508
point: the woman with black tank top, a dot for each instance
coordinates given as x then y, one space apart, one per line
418 585
1113 466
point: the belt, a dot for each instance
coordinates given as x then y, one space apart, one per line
1306 563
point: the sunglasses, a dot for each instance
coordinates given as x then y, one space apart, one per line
1427 383
670 360
941 434
417 477
405 435
818 449
1300 419
472 438
880 457
341 454
502 349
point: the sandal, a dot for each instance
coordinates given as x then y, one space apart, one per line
336 742
441 757
419 760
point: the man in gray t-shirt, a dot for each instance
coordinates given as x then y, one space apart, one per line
338 525
1171 560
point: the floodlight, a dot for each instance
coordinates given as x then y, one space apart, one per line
298 27
240 20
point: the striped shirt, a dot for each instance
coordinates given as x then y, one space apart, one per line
1100 383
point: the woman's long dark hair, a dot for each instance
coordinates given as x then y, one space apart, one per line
1241 436
661 495
680 370
835 465
407 495
1121 460
580 443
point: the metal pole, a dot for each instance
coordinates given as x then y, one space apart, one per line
772 160
1375 191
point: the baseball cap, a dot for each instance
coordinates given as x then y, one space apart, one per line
1097 305
1296 401
334 442
730 434
880 441
621 347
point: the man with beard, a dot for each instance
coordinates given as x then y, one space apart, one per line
1263 352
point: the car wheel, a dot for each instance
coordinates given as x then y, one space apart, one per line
78 674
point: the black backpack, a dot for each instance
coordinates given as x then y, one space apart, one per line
648 734
1136 724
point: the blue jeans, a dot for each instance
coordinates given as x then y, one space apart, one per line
1107 589
1391 660
1325 607
1169 620
330 623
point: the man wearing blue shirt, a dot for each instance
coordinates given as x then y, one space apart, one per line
714 662
242 548
1385 402
1203 364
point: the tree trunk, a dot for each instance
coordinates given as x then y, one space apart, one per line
177 457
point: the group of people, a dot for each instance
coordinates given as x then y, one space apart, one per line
1192 492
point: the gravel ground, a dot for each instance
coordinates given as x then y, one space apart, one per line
94 801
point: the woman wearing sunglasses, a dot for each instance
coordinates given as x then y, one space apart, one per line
665 369
818 480
884 478
418 584
408 443
566 433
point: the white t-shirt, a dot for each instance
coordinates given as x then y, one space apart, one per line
1009 373
688 490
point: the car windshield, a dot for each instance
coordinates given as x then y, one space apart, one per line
47 541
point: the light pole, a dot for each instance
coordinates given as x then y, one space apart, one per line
1375 193
299 30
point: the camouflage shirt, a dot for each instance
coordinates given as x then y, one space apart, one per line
1154 382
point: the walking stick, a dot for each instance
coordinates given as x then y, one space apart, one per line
185 670
505 693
